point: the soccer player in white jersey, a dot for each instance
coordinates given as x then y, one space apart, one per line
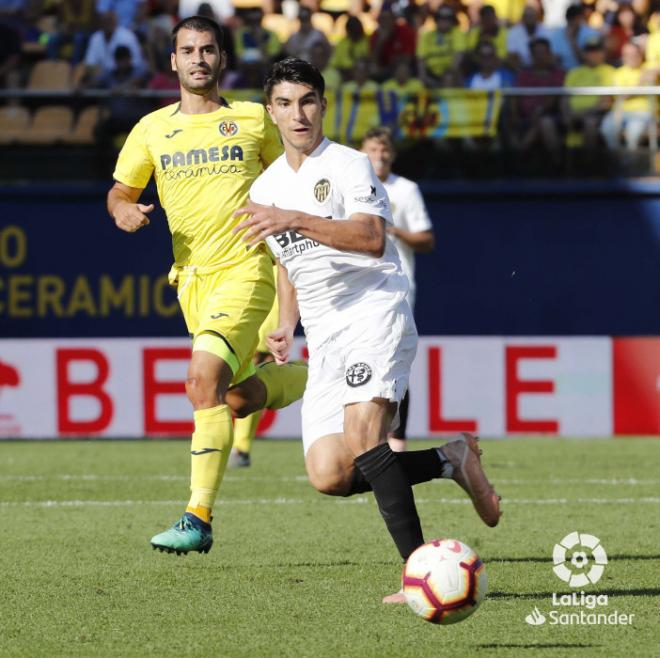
412 232
324 213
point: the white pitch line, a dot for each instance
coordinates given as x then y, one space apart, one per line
299 501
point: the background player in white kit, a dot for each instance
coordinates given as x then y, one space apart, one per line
323 212
412 232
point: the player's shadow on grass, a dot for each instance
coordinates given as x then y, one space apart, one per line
611 558
644 591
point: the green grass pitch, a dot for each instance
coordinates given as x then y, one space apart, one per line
295 573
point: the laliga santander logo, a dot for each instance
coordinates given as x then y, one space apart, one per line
579 559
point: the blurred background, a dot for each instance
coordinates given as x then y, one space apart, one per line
531 128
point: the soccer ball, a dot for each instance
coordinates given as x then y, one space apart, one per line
444 581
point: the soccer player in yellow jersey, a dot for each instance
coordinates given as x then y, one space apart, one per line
204 153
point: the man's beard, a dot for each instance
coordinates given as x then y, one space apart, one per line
198 87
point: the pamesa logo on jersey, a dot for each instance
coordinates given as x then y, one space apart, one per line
201 156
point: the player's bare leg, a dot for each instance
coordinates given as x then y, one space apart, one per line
397 445
330 466
272 387
331 469
245 426
247 397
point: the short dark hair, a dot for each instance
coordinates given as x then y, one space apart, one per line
199 24
573 11
540 41
381 134
122 52
293 69
354 23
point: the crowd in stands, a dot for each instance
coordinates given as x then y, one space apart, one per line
400 47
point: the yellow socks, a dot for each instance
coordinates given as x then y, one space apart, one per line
209 451
200 512
245 429
284 384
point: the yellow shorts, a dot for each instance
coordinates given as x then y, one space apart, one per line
231 304
271 322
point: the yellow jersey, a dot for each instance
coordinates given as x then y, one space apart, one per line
625 76
347 52
204 166
412 87
510 11
474 37
438 50
588 76
653 48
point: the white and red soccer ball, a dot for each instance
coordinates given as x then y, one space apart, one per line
444 581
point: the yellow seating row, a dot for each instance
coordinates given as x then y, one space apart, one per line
322 21
53 124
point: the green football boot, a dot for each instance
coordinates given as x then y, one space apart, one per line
189 533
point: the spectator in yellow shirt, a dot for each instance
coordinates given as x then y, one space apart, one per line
319 57
653 43
256 49
441 49
353 47
631 116
584 113
402 83
488 29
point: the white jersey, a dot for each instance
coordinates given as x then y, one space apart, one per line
334 288
410 214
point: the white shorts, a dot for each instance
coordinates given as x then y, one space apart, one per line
369 359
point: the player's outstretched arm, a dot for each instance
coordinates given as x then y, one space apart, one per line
123 206
360 233
422 242
281 340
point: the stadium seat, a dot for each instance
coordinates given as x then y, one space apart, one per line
50 125
323 22
14 121
50 75
83 131
280 24
77 74
336 6
246 4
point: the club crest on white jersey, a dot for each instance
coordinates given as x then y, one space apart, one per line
334 182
